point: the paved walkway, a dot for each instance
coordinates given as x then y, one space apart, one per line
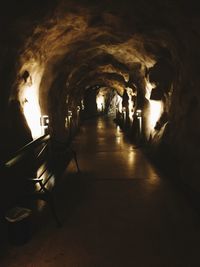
119 212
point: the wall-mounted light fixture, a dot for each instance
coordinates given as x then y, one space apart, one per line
139 117
69 114
44 122
138 113
78 111
82 105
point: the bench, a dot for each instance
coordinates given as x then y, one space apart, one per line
53 159
54 168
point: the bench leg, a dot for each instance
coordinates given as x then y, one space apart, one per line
51 203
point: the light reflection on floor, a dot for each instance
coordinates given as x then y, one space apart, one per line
105 151
118 212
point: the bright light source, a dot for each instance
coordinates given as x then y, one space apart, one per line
32 111
131 104
44 121
82 105
66 122
155 107
149 87
138 112
155 111
100 100
29 98
69 114
119 103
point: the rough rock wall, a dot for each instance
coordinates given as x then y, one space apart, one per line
177 142
170 24
185 122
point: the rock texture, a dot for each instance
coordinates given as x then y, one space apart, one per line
62 48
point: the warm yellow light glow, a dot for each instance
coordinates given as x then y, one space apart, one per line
130 103
149 87
66 122
119 103
131 157
139 113
118 140
100 100
32 111
155 108
82 105
153 177
118 129
29 98
154 112
118 135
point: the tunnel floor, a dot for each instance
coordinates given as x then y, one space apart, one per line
120 211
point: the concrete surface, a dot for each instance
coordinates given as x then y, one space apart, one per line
119 212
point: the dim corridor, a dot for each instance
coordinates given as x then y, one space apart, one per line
118 212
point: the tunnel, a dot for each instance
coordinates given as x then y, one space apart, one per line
115 76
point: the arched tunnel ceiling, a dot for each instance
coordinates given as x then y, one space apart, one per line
83 43
111 79
59 47
90 40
